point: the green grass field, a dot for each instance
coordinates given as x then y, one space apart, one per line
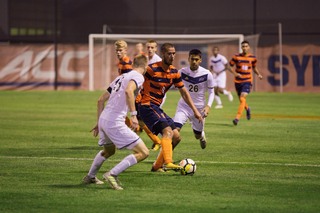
268 164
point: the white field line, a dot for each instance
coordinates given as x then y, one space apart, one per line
150 161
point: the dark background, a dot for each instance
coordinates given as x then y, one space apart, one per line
71 21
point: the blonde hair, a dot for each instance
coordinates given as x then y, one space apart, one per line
152 41
120 44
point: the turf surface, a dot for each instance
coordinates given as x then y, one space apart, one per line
268 164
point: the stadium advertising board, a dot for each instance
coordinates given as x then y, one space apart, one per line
32 67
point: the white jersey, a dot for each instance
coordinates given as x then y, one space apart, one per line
116 109
218 63
197 83
154 59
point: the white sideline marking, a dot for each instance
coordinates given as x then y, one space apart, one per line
263 163
150 161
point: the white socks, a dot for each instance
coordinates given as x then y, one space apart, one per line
128 161
96 164
218 99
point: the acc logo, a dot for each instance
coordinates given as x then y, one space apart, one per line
26 67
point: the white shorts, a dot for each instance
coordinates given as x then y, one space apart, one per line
185 113
220 80
117 133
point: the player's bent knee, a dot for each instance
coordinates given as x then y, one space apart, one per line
108 151
145 153
167 132
141 151
142 155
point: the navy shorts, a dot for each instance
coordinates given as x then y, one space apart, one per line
243 87
155 118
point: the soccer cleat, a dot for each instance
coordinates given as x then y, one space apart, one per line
155 147
172 166
235 122
248 113
230 97
219 106
203 142
89 180
113 181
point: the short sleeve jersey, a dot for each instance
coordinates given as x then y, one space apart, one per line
116 108
244 65
197 83
218 63
157 82
154 59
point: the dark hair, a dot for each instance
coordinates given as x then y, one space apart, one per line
245 42
195 52
165 46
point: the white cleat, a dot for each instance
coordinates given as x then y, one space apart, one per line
219 106
113 181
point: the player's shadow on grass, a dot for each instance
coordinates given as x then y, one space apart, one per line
223 124
77 186
84 148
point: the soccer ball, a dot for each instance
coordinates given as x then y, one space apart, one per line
188 166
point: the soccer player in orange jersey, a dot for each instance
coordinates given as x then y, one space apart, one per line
125 64
245 63
159 78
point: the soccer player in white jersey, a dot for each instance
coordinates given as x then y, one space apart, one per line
218 66
198 80
111 127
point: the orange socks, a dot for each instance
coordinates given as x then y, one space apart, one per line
166 144
159 162
165 155
242 106
153 137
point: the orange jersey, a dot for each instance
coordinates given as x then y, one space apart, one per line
244 66
138 98
124 65
157 82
